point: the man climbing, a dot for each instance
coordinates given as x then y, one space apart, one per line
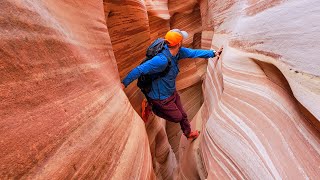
163 96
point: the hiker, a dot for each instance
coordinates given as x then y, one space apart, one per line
163 96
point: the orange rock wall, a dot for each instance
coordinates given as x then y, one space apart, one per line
61 97
129 31
63 113
258 99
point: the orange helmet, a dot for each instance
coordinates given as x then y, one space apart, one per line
175 36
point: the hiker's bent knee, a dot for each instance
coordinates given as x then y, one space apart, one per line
176 118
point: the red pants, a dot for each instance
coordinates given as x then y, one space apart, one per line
171 109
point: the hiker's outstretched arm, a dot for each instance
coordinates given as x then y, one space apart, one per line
196 53
154 65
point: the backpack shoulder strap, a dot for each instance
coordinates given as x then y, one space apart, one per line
168 67
167 57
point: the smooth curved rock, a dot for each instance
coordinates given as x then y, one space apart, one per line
61 97
256 128
163 158
158 8
63 113
129 31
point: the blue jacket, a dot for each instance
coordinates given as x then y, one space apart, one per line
164 87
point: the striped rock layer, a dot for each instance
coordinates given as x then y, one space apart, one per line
261 115
64 115
61 97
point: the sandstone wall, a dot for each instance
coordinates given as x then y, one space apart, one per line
260 118
64 115
61 97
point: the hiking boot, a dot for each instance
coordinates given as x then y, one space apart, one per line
146 110
193 135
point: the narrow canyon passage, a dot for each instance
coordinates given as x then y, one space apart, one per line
64 115
129 43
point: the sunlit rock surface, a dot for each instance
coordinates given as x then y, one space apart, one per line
63 113
262 120
61 97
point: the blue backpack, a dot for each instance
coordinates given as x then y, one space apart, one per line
145 80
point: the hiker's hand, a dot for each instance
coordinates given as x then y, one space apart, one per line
219 51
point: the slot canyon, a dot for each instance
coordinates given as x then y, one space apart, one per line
64 114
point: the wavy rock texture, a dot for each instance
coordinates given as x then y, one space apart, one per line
129 30
127 38
61 97
254 126
64 115
163 158
158 8
181 6
129 42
